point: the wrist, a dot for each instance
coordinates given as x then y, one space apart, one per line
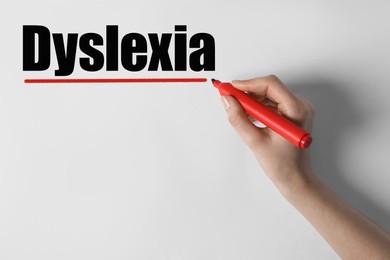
301 183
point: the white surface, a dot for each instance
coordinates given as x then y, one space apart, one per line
155 171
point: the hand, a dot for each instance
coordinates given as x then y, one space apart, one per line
350 234
285 164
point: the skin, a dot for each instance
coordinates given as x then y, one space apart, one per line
349 233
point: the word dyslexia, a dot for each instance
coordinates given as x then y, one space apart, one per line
134 53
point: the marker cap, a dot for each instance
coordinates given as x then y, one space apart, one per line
305 141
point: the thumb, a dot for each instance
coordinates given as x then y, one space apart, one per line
239 120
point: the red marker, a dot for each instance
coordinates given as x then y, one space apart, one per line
268 117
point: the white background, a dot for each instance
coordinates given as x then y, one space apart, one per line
154 171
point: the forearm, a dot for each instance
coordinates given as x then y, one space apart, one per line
348 232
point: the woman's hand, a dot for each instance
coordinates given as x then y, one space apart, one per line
285 164
350 234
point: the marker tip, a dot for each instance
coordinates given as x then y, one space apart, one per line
212 80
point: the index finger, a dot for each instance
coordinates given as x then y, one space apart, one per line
272 88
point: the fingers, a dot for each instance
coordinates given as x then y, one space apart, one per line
307 114
274 94
272 88
239 120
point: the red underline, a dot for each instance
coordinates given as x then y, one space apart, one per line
118 80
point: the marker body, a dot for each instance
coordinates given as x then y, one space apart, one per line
268 117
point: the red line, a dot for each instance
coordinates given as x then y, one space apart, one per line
117 80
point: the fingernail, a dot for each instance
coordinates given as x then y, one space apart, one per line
225 102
